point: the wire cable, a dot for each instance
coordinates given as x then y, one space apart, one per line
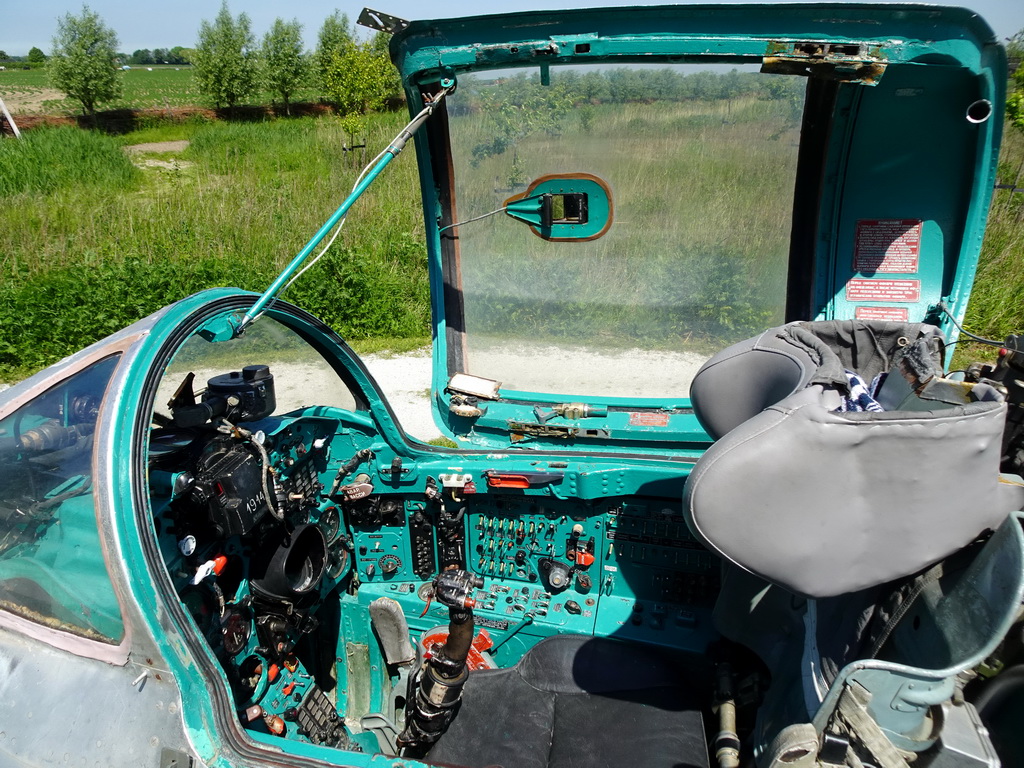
965 332
475 218
406 132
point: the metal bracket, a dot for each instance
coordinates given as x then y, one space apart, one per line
521 429
172 758
382 22
845 62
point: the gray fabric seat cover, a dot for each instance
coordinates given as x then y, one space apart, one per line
742 380
824 503
576 700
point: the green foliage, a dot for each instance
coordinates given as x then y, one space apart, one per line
357 79
179 55
284 63
83 260
518 108
1015 108
1015 47
224 59
994 310
84 60
1015 100
336 34
49 159
36 56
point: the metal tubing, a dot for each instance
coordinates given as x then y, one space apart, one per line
337 216
388 155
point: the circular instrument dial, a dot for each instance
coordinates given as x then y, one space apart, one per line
236 628
330 524
337 566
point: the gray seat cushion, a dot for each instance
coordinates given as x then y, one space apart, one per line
824 503
579 701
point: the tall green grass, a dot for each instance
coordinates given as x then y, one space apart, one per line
996 308
78 260
50 159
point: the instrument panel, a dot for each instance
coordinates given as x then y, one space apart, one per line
267 530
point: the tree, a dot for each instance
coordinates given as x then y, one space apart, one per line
225 59
357 78
36 56
84 60
336 35
284 63
3 56
159 55
141 57
179 55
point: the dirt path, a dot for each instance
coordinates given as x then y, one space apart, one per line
157 146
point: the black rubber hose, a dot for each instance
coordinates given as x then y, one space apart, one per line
460 636
999 689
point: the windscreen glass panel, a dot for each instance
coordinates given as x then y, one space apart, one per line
302 377
700 162
52 570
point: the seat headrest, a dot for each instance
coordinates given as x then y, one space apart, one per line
741 381
823 502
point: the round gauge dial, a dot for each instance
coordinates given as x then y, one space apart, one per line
337 566
389 563
236 628
330 524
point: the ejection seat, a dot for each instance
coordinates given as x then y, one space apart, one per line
849 472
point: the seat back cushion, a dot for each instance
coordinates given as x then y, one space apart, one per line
824 503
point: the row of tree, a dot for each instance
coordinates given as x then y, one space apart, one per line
176 56
229 65
35 58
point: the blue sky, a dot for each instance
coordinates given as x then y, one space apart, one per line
163 25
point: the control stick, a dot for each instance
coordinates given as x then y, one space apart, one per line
435 691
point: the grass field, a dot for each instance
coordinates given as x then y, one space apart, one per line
80 258
29 91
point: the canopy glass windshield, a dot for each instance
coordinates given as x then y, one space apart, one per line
700 163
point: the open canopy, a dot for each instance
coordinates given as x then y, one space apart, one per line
613 195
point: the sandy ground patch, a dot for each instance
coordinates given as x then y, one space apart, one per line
136 152
157 146
29 101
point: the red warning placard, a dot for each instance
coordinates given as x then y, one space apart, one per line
903 291
892 314
887 245
647 419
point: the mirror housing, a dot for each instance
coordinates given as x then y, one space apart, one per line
564 207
